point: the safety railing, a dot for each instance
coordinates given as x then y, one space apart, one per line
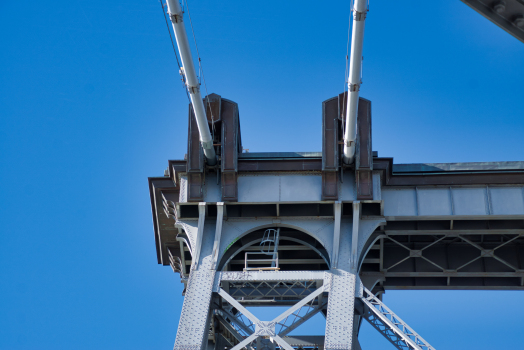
273 262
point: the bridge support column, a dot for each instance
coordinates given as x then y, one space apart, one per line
341 306
349 238
193 327
356 326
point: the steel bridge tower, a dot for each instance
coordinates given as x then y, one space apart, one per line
345 235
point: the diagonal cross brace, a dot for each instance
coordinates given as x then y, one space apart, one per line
298 305
238 322
303 319
279 318
230 328
245 342
386 331
380 311
238 306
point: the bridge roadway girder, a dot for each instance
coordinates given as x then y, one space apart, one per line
407 237
374 225
507 14
447 260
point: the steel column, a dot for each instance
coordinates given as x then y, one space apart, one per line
218 234
341 305
193 327
200 233
336 233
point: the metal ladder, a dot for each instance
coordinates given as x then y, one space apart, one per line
269 243
268 246
391 326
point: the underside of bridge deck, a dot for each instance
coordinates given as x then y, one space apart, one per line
309 233
472 258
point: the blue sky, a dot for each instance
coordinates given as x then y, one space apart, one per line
91 105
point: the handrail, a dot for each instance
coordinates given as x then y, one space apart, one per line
273 261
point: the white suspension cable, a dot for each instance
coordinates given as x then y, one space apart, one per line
360 10
347 68
201 70
176 15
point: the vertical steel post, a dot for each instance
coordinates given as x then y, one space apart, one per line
341 308
193 328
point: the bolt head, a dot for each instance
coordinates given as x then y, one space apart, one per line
499 7
519 22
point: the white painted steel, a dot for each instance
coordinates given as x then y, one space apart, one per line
298 305
347 191
283 343
262 327
244 343
470 201
231 276
279 188
395 323
336 234
230 328
309 341
454 202
355 67
354 236
341 308
200 232
212 191
506 200
218 234
193 326
283 188
296 188
238 306
319 228
247 260
176 15
238 322
434 201
304 318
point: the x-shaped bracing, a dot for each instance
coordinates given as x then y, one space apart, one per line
256 290
269 328
484 253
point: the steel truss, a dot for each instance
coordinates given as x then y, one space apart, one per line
249 332
244 330
281 290
391 326
483 252
432 260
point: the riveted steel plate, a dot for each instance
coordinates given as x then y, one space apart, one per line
192 328
341 304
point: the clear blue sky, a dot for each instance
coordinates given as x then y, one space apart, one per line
91 105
